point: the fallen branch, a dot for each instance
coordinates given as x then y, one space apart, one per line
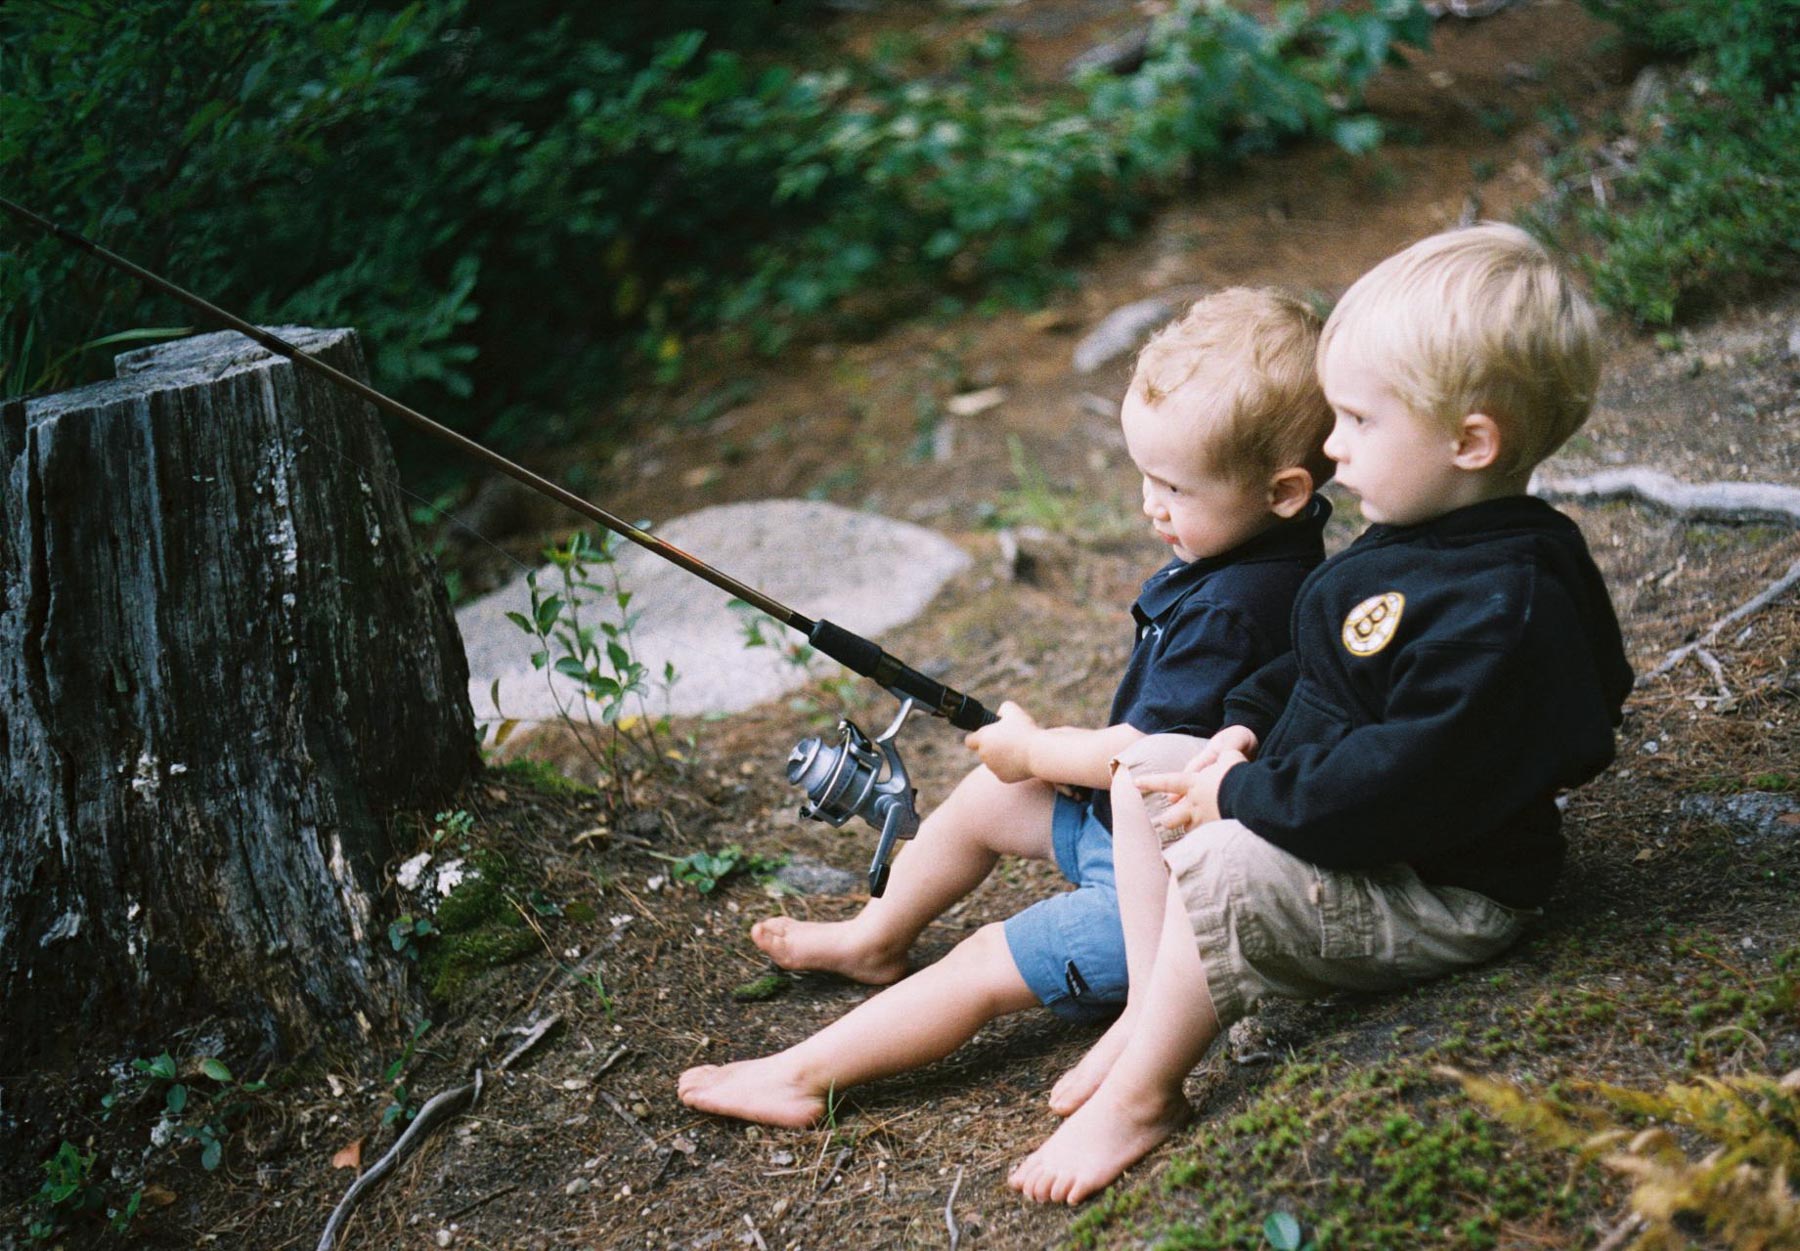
437 1110
1774 591
1737 502
1711 663
533 1037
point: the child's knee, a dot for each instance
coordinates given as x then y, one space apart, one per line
1160 753
985 948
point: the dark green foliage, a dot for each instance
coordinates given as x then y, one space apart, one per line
523 207
1714 201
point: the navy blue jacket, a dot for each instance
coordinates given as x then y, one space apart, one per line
1447 680
1205 626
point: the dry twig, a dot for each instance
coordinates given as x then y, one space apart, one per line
533 1037
437 1110
950 1210
1769 595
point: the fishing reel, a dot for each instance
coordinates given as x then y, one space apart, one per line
857 777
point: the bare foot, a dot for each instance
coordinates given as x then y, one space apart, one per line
831 946
1106 1136
752 1090
1073 1088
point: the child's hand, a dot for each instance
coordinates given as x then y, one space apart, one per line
1005 746
1233 738
1195 791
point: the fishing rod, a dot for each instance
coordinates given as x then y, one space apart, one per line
853 776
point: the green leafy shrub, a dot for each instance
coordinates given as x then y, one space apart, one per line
1710 202
525 206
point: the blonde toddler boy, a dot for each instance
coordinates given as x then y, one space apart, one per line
1224 421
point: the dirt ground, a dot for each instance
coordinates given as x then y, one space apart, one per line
1668 952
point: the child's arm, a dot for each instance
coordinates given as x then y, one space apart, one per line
1468 734
1016 748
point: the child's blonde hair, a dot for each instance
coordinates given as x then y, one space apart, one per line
1479 320
1245 357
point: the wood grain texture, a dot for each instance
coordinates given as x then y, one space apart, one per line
222 660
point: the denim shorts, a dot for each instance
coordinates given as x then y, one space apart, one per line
1070 948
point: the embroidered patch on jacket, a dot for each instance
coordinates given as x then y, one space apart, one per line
1371 624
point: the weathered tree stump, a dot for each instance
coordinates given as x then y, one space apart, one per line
222 659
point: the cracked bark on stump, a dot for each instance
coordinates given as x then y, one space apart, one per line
222 659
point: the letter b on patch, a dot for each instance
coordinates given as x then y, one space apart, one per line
1371 624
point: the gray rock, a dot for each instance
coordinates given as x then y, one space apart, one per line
1649 95
1124 55
1762 814
1121 331
864 572
805 876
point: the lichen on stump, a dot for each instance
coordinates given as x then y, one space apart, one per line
222 661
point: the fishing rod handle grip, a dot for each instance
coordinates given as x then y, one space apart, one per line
857 654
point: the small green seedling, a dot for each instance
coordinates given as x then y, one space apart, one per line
405 932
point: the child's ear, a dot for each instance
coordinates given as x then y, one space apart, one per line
1290 490
1477 442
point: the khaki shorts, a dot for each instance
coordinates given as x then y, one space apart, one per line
1269 923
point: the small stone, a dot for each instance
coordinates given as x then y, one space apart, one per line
974 403
804 876
1249 1042
1119 332
442 1237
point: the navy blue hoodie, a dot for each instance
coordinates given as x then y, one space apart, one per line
1447 680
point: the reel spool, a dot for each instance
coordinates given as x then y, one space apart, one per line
857 777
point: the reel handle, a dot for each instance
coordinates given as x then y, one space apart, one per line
859 655
878 867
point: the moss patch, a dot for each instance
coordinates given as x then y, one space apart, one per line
541 775
479 929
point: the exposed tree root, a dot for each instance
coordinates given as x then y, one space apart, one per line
1739 502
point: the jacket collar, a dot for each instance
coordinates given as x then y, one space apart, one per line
1299 539
1486 520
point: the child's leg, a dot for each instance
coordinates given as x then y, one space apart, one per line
955 849
1140 1101
1142 877
1143 885
911 1023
